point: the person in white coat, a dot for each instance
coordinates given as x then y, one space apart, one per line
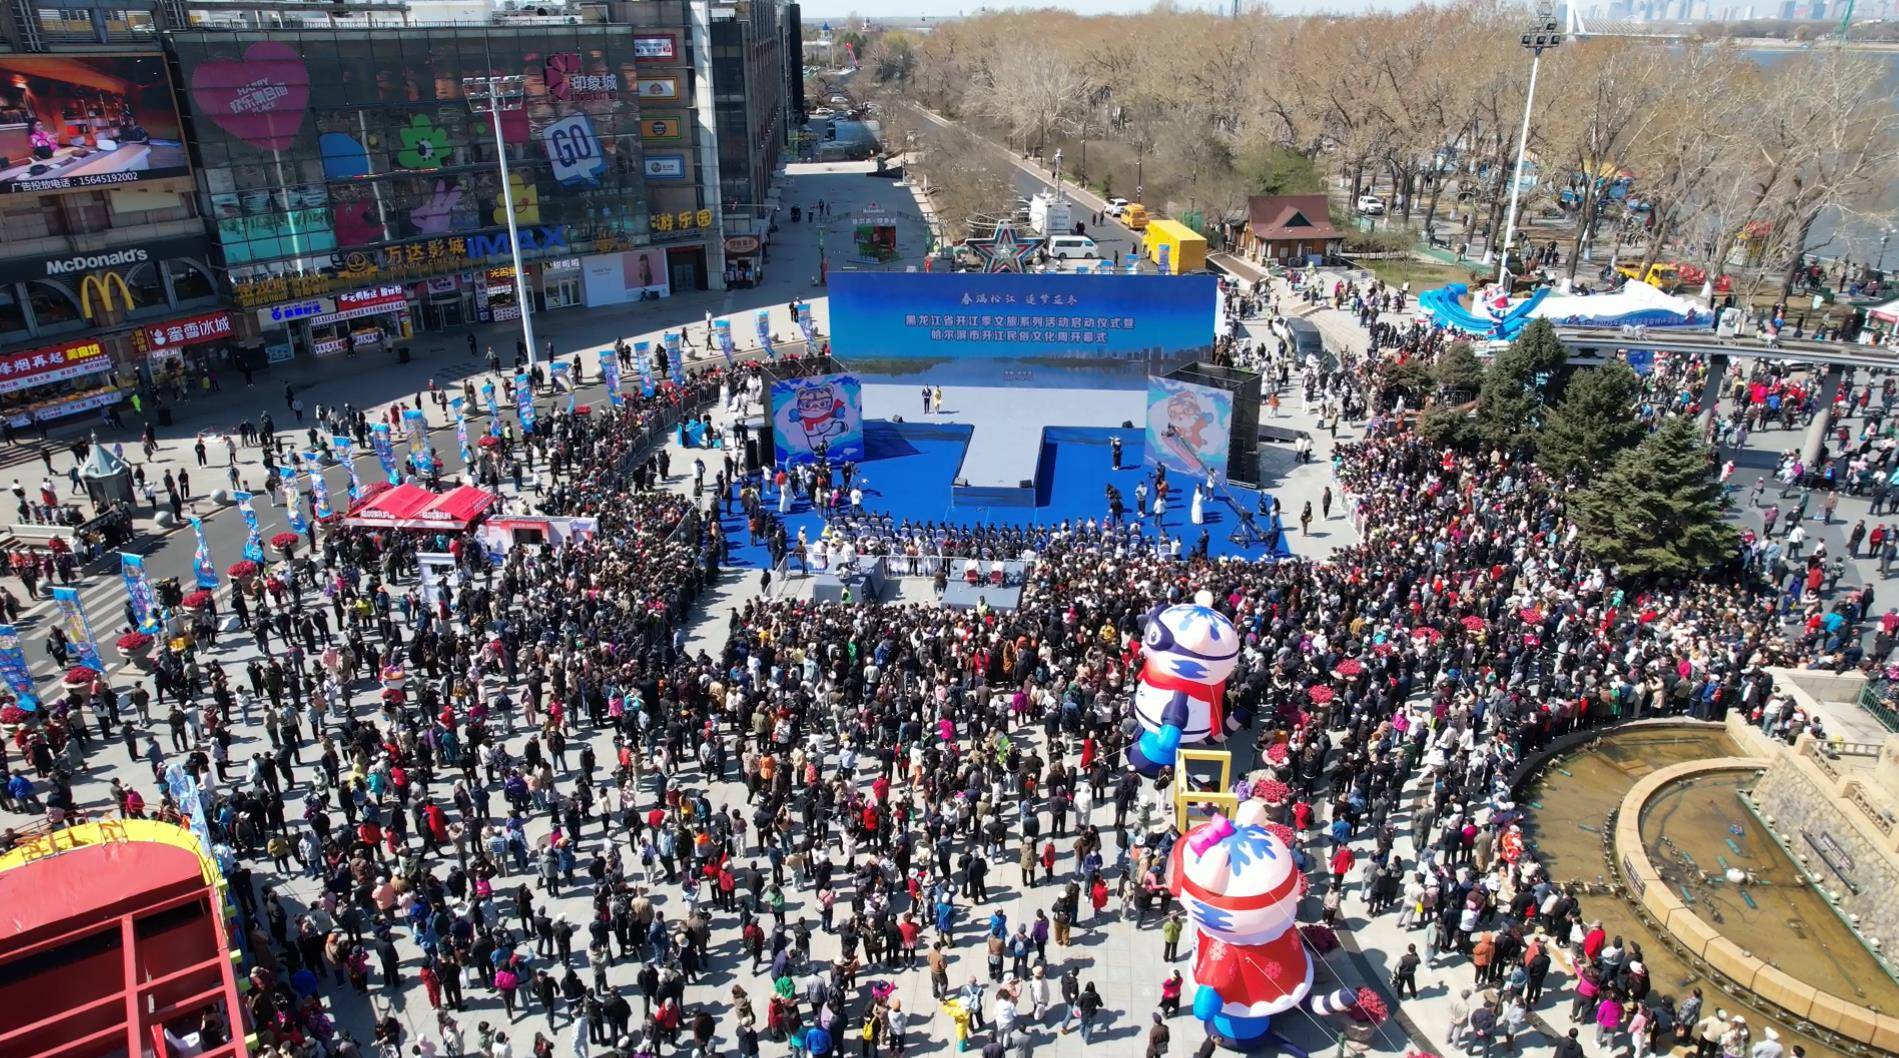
1198 509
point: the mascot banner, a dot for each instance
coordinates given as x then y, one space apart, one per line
818 416
1189 427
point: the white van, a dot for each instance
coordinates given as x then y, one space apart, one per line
1063 247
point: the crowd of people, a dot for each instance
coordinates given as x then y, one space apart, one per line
858 779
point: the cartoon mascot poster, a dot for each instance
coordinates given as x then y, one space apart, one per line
818 416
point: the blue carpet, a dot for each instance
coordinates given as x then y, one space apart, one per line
910 467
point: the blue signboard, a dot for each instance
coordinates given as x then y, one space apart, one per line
1005 316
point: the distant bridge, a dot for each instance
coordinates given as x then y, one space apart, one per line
1604 341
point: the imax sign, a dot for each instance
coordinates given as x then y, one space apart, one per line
496 245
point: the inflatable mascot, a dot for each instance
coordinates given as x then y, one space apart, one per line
1188 652
1241 891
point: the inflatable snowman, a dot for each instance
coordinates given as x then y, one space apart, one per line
1241 891
1188 652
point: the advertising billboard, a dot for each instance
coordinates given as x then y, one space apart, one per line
1189 427
71 123
819 415
1007 316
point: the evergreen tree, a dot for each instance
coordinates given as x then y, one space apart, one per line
1510 401
1445 427
1657 512
1457 373
1593 423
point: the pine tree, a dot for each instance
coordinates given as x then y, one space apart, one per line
1657 512
1593 423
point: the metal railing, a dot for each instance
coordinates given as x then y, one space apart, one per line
1881 699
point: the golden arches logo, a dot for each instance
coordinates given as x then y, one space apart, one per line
104 285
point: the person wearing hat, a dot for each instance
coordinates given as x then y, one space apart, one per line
1769 1047
1708 1034
1734 1039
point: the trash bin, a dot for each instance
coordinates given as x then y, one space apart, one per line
164 415
402 354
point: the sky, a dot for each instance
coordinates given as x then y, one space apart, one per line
906 9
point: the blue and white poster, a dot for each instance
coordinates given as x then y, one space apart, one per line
724 329
1189 427
293 500
1005 316
573 151
72 618
138 590
610 371
416 423
380 440
807 325
202 568
645 367
764 331
524 402
676 357
346 455
557 375
494 409
823 414
253 539
319 489
14 670
461 437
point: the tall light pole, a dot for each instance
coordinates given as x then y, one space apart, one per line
491 96
1545 33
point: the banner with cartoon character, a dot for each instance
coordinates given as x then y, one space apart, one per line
1189 427
610 373
820 415
645 367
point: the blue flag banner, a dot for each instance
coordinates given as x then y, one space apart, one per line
610 371
346 455
676 357
201 567
416 422
461 438
524 401
19 679
186 794
293 500
319 489
724 328
764 331
494 409
807 324
138 589
385 451
72 618
1134 264
557 373
646 368
253 540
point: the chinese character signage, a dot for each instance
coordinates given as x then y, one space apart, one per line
210 327
569 80
81 122
36 367
967 315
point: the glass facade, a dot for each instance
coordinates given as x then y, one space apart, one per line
333 160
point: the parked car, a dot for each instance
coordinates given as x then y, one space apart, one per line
1117 206
1063 247
1371 205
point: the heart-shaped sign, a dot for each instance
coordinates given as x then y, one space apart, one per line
261 99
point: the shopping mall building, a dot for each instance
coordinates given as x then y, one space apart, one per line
247 185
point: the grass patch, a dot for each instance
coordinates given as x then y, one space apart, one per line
1422 275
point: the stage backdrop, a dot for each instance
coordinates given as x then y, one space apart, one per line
1003 316
823 411
1201 421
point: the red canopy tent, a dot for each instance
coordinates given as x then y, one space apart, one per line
454 511
387 506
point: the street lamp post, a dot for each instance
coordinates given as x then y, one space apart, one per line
491 96
1884 237
1544 34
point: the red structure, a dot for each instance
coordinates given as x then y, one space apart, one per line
113 942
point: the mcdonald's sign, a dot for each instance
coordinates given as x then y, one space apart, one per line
104 284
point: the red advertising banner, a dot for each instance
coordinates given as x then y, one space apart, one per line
192 330
36 367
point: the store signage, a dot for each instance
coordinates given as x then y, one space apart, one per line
665 167
60 407
659 128
37 367
655 47
567 78
666 87
330 346
210 327
296 310
574 151
684 220
374 297
742 244
118 257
